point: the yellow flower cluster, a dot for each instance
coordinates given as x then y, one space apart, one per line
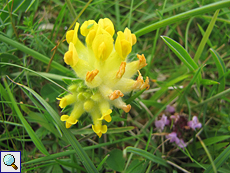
103 67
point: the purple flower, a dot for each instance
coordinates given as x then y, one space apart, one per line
170 109
160 124
194 123
175 117
181 143
173 138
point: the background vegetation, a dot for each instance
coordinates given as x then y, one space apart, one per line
186 44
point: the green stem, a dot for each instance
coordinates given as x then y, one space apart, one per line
183 16
35 54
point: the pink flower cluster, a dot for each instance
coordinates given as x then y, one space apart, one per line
180 126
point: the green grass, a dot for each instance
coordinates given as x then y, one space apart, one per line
186 45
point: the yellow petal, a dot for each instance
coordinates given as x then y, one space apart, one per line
104 129
87 26
106 115
75 35
99 134
90 37
68 125
96 128
102 46
69 36
130 37
64 117
122 46
63 103
134 39
107 118
71 56
107 25
67 100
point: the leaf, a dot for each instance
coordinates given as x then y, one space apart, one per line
102 162
220 160
221 69
182 16
115 160
212 140
35 54
146 155
69 136
57 168
205 37
181 53
30 131
208 82
136 166
50 92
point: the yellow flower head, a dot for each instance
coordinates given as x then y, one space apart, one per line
106 74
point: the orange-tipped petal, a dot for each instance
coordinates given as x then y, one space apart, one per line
91 75
146 84
142 61
121 70
116 94
126 108
139 82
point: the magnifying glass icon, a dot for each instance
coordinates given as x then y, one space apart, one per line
9 160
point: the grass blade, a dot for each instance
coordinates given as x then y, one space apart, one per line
220 67
220 160
181 53
70 137
146 155
208 154
205 37
33 136
35 54
183 16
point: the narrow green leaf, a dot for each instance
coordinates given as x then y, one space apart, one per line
35 54
33 136
69 136
181 53
168 83
220 160
146 155
39 74
212 140
208 82
224 93
71 9
193 80
102 162
209 155
183 16
220 67
69 152
205 37
203 32
110 130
